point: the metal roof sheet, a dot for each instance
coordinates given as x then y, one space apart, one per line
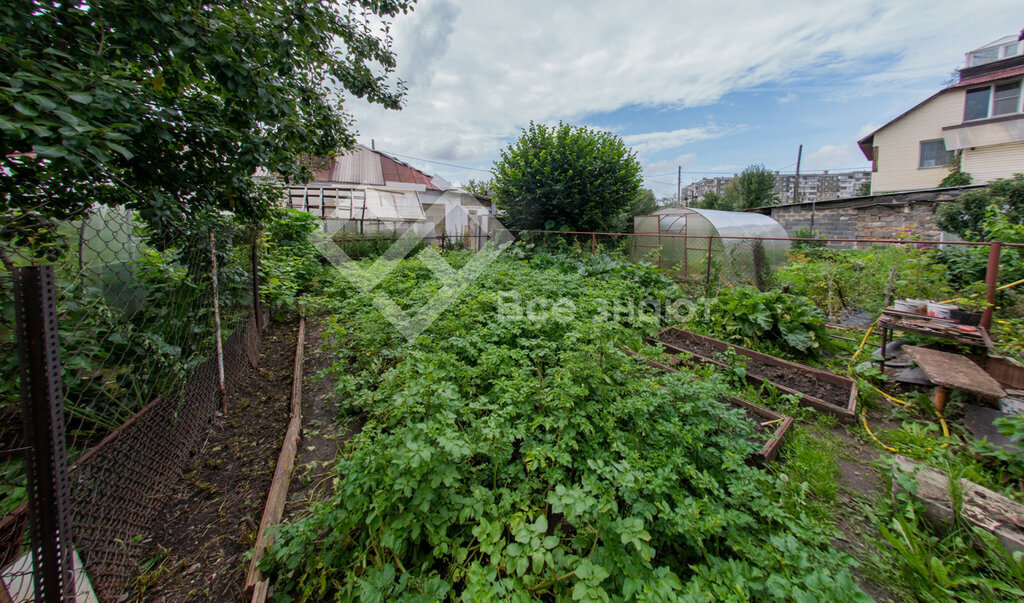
357 166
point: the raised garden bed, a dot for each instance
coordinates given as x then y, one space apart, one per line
818 389
767 422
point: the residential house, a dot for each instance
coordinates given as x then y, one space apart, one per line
980 117
367 191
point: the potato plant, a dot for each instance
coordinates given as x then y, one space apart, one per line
512 451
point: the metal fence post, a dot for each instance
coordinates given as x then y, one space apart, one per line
254 268
42 408
991 276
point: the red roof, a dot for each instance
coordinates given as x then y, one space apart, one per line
394 171
990 77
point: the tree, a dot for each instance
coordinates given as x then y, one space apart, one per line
566 176
171 106
479 187
864 189
966 217
754 187
713 200
644 204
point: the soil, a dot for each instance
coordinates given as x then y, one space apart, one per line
799 381
323 435
209 522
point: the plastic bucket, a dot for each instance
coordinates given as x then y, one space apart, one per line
941 310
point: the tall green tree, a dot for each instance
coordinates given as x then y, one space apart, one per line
566 176
754 187
172 106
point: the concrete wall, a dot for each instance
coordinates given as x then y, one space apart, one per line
896 215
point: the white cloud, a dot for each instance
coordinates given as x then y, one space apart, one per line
652 142
839 157
782 100
662 176
480 70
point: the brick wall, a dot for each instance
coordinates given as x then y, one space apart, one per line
873 217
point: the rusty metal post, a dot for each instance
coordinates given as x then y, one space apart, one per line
991 276
42 410
593 243
254 268
221 387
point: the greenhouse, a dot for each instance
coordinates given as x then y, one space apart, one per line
709 250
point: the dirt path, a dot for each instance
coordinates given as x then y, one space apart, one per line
861 486
323 438
210 520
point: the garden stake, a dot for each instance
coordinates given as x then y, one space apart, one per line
216 325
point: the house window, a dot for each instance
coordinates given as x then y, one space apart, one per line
976 105
980 57
992 101
1006 99
934 154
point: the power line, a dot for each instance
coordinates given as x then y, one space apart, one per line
461 167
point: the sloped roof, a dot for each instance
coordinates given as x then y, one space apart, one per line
991 72
396 171
990 77
363 165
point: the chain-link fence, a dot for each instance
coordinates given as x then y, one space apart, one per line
134 340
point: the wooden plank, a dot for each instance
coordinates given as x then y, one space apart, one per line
981 507
923 325
847 413
954 371
255 583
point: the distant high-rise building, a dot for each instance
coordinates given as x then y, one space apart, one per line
813 187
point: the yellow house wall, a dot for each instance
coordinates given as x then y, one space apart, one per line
899 150
985 164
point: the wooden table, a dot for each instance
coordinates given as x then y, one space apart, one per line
892 320
953 371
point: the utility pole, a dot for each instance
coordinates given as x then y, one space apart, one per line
796 181
679 185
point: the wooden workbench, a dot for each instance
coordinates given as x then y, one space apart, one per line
921 324
953 371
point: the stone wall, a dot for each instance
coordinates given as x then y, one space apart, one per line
889 216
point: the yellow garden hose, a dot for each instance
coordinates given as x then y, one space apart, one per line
864 411
1006 286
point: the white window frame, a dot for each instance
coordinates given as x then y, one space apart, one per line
1000 53
992 100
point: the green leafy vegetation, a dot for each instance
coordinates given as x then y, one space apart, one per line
513 451
753 187
849 279
748 317
966 216
171 106
964 563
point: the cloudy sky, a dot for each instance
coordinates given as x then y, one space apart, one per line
711 86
